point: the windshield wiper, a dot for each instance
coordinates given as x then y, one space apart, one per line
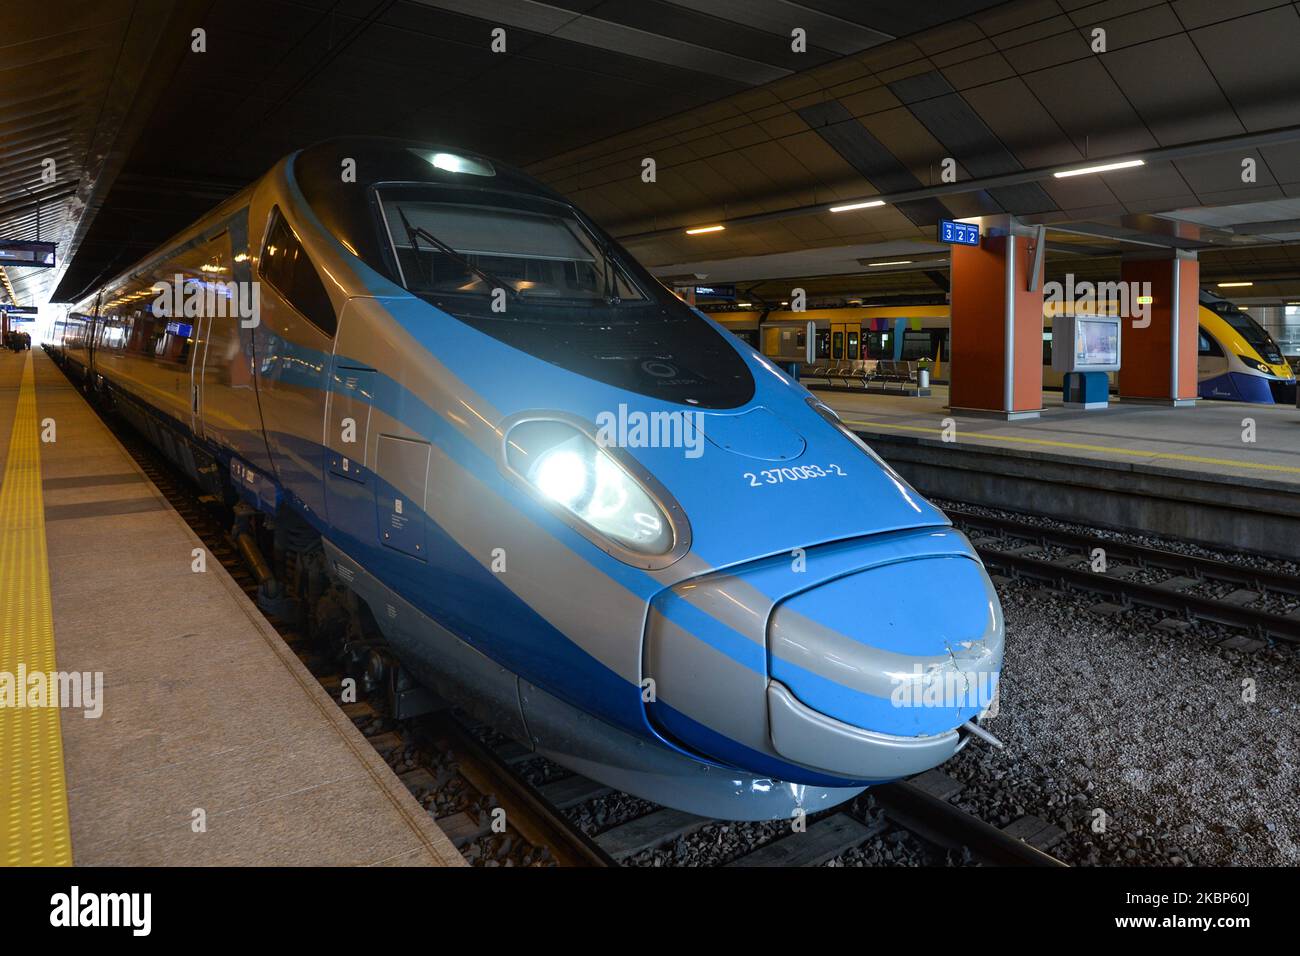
610 268
413 233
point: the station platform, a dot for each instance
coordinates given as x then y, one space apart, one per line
1184 472
208 742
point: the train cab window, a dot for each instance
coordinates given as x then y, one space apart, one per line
1207 345
285 265
539 250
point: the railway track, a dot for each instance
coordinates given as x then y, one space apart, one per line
921 809
461 779
1190 587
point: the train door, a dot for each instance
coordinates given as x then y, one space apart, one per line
293 343
88 337
229 413
854 337
216 261
838 332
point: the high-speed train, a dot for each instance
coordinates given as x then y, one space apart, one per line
569 502
1237 359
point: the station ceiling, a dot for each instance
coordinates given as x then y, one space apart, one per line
147 134
1006 91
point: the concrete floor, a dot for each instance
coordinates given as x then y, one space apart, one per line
1207 439
204 706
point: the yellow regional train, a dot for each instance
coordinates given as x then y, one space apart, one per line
1238 359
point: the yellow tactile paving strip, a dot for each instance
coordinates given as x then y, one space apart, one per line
33 794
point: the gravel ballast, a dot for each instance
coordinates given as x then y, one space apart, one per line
1151 727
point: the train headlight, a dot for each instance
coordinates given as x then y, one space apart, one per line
566 468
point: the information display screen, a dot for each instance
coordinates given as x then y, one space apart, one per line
1096 343
1080 343
39 255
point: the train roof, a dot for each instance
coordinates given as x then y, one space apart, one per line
343 207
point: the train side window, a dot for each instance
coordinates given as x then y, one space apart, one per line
285 265
1207 345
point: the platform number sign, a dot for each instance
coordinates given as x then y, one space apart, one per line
959 233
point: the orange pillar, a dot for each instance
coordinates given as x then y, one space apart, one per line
996 365
1159 352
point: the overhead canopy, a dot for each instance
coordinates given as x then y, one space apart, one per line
146 133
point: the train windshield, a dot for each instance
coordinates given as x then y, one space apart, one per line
536 250
1254 334
533 273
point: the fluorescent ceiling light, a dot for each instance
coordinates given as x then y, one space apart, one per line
1233 285
700 229
858 205
1104 168
899 262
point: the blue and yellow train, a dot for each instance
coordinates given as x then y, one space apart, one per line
1237 359
564 499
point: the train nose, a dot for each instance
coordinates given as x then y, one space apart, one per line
872 673
862 675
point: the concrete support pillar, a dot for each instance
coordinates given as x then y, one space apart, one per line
1158 361
997 325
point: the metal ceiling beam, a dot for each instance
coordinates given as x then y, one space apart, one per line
1206 147
146 64
1266 227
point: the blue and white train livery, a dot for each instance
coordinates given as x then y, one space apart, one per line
562 498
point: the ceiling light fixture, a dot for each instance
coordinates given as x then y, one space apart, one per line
858 205
1233 285
698 230
897 262
1103 168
